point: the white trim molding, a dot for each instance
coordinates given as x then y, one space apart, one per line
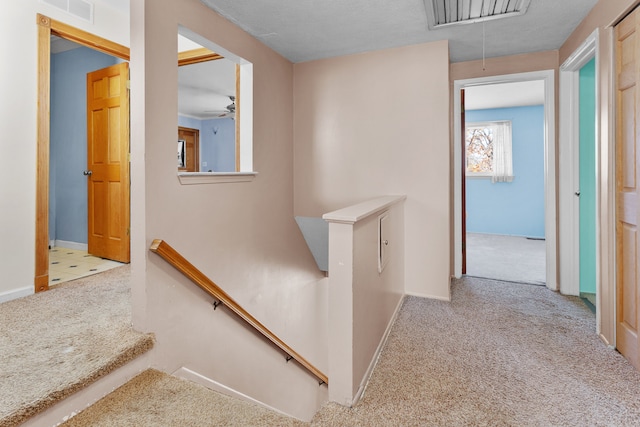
569 167
16 293
190 178
70 245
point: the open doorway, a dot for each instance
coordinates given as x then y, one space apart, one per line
578 156
73 254
46 28
504 181
547 77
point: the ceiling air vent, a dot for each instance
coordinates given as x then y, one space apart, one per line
443 13
79 8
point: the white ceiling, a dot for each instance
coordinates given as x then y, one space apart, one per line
504 95
204 88
59 45
304 30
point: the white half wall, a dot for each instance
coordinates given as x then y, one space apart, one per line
363 298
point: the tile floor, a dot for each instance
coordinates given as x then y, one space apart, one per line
70 264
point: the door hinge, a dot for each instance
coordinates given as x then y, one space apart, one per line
128 84
129 157
128 230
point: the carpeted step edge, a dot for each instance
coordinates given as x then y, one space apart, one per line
143 344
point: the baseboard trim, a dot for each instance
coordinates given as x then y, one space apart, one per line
374 361
188 374
16 293
421 295
71 245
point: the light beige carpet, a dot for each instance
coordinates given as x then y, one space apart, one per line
499 354
156 399
509 258
57 342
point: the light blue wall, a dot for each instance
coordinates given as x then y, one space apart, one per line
217 143
68 186
515 208
189 122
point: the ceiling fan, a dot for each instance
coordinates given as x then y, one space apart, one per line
230 110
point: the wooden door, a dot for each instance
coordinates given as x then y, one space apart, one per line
191 138
628 76
108 162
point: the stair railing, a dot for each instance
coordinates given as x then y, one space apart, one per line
173 257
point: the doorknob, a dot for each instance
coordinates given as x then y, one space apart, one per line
87 173
577 193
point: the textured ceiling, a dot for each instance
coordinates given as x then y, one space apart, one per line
304 30
300 32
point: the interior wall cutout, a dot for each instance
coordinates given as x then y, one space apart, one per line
219 88
207 99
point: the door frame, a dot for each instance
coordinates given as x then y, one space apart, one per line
47 27
569 169
548 77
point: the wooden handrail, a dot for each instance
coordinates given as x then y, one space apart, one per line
174 258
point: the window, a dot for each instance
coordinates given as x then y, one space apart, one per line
488 151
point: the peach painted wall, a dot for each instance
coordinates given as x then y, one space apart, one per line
603 15
374 124
242 235
513 64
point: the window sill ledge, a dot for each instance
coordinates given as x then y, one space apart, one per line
190 178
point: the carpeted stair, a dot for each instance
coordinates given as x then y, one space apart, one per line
56 343
157 399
